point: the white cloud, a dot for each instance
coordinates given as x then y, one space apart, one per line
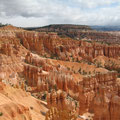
95 3
43 12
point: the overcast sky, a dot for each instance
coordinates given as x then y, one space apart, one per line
30 13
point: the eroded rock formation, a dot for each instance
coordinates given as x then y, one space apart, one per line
41 63
104 105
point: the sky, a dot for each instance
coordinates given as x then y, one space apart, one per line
32 13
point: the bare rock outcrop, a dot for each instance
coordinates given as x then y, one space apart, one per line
56 99
104 105
56 114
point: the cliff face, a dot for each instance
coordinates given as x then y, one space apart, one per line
81 32
64 80
64 72
44 75
89 87
14 102
50 45
60 106
55 114
56 99
104 105
11 57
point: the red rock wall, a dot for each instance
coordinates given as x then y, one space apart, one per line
65 49
105 105
56 99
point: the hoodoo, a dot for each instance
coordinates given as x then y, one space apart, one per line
45 76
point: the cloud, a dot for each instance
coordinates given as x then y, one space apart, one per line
44 12
95 3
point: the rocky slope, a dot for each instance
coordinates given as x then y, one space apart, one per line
79 32
16 104
44 76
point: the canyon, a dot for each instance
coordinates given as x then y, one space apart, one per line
44 76
83 32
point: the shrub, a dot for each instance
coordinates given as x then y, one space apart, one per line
1 113
55 87
31 107
44 96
